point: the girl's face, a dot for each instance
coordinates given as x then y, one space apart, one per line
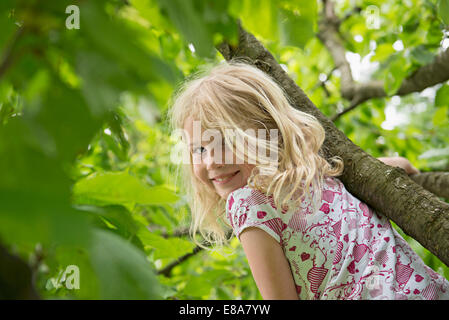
223 177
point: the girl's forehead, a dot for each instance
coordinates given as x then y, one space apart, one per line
191 124
196 131
190 120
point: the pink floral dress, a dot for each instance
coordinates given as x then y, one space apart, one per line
343 250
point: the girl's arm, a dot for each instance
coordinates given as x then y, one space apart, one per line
268 264
400 162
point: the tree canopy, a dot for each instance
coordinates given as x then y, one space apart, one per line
91 206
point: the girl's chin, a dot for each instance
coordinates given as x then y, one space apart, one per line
224 192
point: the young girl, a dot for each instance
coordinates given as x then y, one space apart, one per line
305 236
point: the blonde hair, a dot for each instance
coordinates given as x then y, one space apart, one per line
235 95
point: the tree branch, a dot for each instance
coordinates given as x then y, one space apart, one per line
181 232
387 190
322 84
435 182
167 269
424 77
177 233
328 33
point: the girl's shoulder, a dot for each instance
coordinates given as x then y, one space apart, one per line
247 196
250 196
249 207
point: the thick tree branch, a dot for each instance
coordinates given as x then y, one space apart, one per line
426 76
435 182
328 27
387 190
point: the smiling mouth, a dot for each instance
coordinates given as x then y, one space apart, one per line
225 179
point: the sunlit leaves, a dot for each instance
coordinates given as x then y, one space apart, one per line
99 190
441 116
119 188
293 23
298 22
165 248
114 39
395 73
199 21
383 51
259 17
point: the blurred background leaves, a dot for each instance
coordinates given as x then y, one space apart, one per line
86 176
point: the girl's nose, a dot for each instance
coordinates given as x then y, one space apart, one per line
211 162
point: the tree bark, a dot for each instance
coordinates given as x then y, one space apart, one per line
435 182
387 190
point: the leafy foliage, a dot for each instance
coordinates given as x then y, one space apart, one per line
85 151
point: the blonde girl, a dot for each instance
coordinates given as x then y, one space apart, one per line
305 236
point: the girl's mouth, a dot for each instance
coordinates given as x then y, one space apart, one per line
225 179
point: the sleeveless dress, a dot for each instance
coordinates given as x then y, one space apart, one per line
342 250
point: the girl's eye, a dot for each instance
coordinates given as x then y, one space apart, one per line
198 150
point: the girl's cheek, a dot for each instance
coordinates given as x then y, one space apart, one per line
201 175
196 172
248 168
228 155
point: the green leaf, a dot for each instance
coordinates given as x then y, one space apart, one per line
440 116
149 10
383 51
122 270
396 72
421 55
8 28
190 23
259 17
35 188
165 248
119 188
201 286
7 5
117 41
103 81
64 123
298 25
198 287
57 259
443 10
442 96
117 216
